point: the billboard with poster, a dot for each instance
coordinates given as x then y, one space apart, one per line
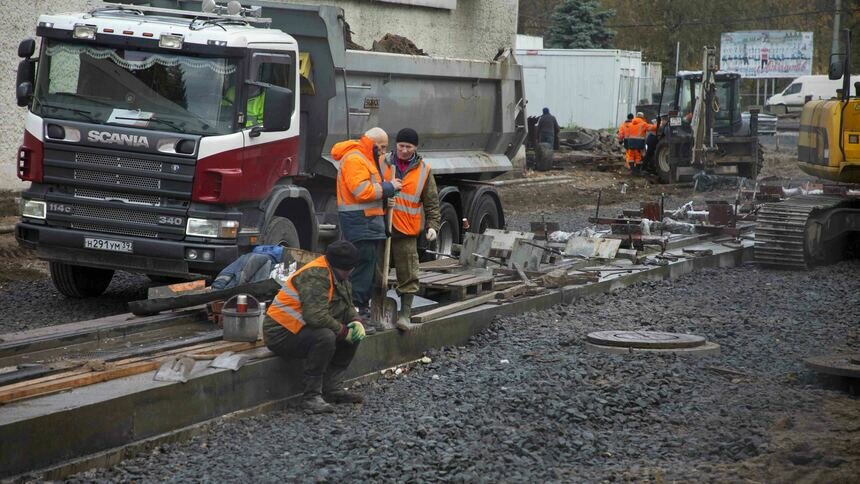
767 54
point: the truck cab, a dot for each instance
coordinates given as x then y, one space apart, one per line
149 140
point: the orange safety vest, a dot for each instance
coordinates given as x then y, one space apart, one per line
286 308
408 215
358 172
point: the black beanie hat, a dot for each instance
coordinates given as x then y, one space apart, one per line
342 255
407 135
630 117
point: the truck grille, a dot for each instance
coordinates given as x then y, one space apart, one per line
149 200
116 213
110 229
118 162
117 192
119 180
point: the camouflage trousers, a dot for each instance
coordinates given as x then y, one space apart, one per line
404 257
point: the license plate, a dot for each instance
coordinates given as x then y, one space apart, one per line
107 244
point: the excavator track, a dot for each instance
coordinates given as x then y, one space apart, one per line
781 230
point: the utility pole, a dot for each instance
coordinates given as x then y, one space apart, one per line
678 54
837 11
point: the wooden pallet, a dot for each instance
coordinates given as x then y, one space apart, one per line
457 286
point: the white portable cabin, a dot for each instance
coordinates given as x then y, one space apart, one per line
590 88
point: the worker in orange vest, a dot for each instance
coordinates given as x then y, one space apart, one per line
416 209
635 136
622 130
313 318
361 191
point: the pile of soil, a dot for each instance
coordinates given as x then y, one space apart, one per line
395 44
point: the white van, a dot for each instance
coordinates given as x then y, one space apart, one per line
801 90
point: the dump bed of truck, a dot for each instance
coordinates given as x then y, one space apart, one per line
469 113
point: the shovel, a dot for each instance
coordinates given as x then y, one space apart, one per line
229 361
381 305
175 369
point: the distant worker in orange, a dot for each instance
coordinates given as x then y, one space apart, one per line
622 130
635 136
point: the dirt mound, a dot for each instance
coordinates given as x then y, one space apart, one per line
396 44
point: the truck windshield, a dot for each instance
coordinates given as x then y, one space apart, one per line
148 90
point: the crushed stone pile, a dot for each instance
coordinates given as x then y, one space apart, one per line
525 401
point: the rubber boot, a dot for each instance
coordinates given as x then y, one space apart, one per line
404 317
333 391
312 400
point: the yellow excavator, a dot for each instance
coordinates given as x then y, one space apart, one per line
816 228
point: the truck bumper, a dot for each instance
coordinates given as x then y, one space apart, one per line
149 256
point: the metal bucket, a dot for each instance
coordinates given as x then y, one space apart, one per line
241 326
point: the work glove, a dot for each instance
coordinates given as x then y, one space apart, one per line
343 333
356 332
431 235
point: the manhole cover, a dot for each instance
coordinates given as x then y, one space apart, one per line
837 365
645 339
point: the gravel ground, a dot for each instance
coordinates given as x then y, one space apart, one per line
31 304
526 402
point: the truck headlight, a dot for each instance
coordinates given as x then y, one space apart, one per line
84 32
34 209
170 41
222 229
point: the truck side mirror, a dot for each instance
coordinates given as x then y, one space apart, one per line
26 48
837 66
277 108
24 93
26 76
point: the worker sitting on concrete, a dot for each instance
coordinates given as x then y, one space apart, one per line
548 128
415 205
635 137
361 191
312 318
622 130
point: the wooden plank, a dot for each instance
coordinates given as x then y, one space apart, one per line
471 282
446 281
120 369
453 308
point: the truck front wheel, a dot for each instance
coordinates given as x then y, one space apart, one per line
281 231
79 282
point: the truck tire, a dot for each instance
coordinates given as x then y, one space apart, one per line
449 229
486 215
665 169
543 157
79 282
281 231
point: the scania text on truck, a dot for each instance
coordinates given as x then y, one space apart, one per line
167 141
